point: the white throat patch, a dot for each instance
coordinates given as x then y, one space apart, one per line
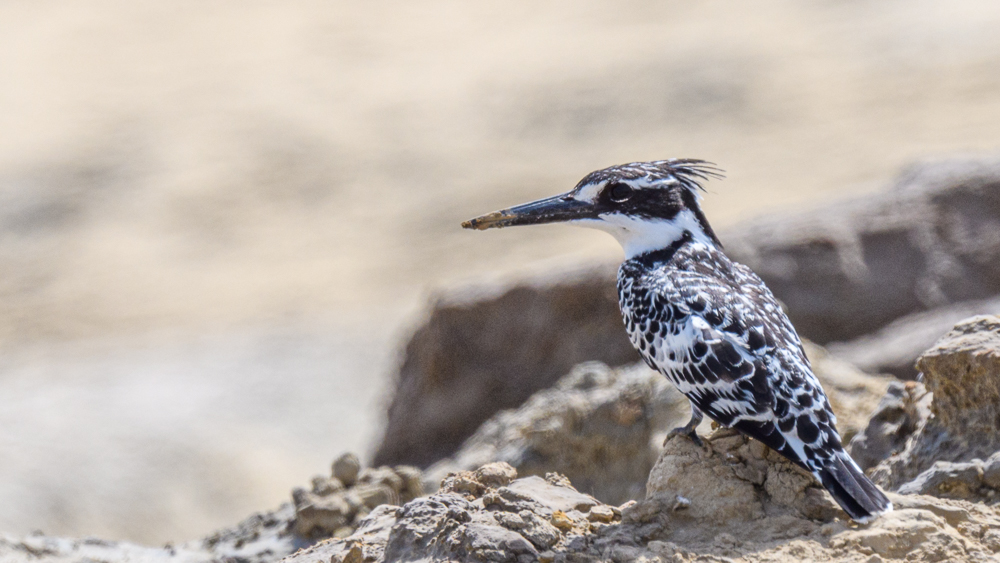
638 236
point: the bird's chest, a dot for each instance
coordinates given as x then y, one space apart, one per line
661 330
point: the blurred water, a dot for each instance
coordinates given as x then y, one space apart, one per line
183 431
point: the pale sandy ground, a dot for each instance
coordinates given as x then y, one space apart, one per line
216 218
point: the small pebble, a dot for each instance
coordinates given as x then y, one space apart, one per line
346 469
601 513
561 521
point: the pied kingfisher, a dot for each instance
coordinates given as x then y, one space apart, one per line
708 324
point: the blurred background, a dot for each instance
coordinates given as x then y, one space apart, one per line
219 220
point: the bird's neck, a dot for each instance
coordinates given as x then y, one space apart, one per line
639 237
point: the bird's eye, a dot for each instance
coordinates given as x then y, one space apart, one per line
620 192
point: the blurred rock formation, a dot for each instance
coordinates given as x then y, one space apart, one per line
848 269
450 381
895 347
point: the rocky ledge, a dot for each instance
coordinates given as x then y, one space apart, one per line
732 500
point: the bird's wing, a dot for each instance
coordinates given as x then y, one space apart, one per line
734 353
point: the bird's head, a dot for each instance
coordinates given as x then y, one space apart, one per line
647 206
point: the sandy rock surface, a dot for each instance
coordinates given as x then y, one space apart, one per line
963 372
729 501
961 377
599 426
336 503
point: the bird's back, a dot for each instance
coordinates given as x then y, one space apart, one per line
714 329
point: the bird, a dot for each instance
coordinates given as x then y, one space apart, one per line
707 323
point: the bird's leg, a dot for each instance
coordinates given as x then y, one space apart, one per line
688 429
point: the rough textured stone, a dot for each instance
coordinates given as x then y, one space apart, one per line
332 508
948 480
733 478
991 471
842 271
963 372
730 501
599 426
962 375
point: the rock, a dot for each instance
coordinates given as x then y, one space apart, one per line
479 521
991 471
321 515
902 412
556 494
450 380
847 269
497 474
842 271
733 478
324 486
600 427
947 480
346 469
963 372
895 347
603 428
474 483
328 510
784 517
960 373
261 538
412 482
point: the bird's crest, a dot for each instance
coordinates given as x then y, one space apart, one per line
689 172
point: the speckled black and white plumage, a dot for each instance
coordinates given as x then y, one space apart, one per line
708 324
715 330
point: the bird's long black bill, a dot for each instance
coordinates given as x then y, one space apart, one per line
549 210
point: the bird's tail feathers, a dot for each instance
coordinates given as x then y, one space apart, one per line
854 492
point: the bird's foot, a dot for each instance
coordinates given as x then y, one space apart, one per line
686 432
